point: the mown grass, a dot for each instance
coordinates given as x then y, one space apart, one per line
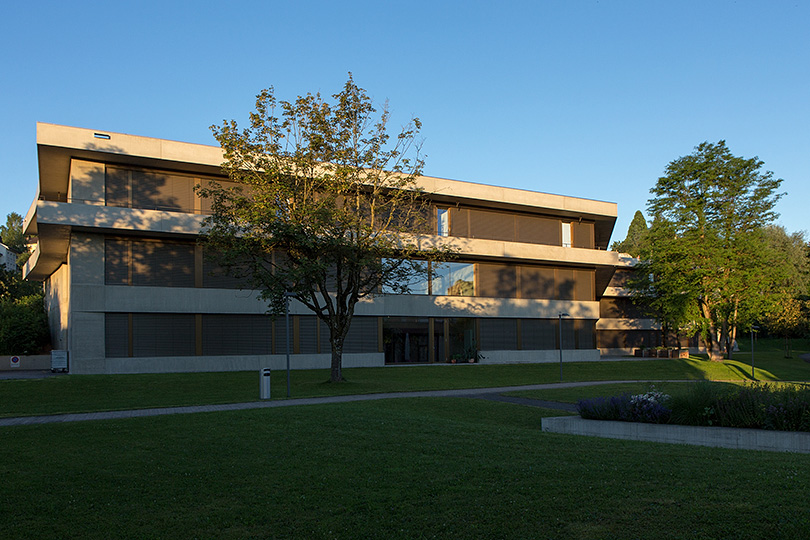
409 468
84 393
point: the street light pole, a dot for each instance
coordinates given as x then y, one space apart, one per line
753 329
287 296
561 315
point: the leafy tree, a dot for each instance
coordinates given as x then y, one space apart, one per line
707 257
11 234
636 236
326 208
23 323
788 313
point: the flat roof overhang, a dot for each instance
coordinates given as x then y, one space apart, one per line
56 145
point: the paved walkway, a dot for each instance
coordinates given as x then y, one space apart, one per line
492 394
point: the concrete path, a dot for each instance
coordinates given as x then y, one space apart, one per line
493 394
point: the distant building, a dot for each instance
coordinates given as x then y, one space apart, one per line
8 258
128 288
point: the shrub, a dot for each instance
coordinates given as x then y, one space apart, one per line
759 406
649 407
23 325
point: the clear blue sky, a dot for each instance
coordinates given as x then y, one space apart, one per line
577 97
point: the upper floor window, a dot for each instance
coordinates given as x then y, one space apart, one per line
566 234
443 222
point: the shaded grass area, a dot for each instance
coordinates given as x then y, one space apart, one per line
84 393
410 468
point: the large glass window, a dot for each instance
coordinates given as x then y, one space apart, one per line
415 277
453 279
406 340
461 338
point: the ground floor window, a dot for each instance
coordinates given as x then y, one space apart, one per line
403 340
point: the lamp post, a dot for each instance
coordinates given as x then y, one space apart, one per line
561 315
754 328
287 296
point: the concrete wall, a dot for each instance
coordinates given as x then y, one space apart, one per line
38 362
276 362
743 439
86 315
57 306
539 357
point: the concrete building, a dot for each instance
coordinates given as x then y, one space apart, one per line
8 258
128 288
622 326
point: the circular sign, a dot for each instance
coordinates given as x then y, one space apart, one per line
15 361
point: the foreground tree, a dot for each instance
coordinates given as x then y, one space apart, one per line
707 260
325 208
633 243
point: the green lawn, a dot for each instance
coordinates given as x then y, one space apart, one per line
410 468
83 393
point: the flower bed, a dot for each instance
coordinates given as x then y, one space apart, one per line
758 406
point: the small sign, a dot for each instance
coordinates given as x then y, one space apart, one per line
15 361
59 360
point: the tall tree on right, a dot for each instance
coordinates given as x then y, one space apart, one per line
706 258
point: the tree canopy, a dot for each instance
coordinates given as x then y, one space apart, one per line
707 264
323 206
23 323
11 234
636 236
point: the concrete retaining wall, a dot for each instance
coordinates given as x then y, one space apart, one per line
177 364
33 362
743 439
539 357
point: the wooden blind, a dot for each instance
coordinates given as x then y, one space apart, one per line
565 283
162 264
585 333
308 334
538 334
538 230
116 335
537 282
498 334
235 334
582 235
496 280
362 336
116 262
459 222
163 334
583 285
492 225
116 187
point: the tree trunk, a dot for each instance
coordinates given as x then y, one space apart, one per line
336 374
712 343
715 350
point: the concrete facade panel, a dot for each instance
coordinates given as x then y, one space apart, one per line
276 362
539 357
